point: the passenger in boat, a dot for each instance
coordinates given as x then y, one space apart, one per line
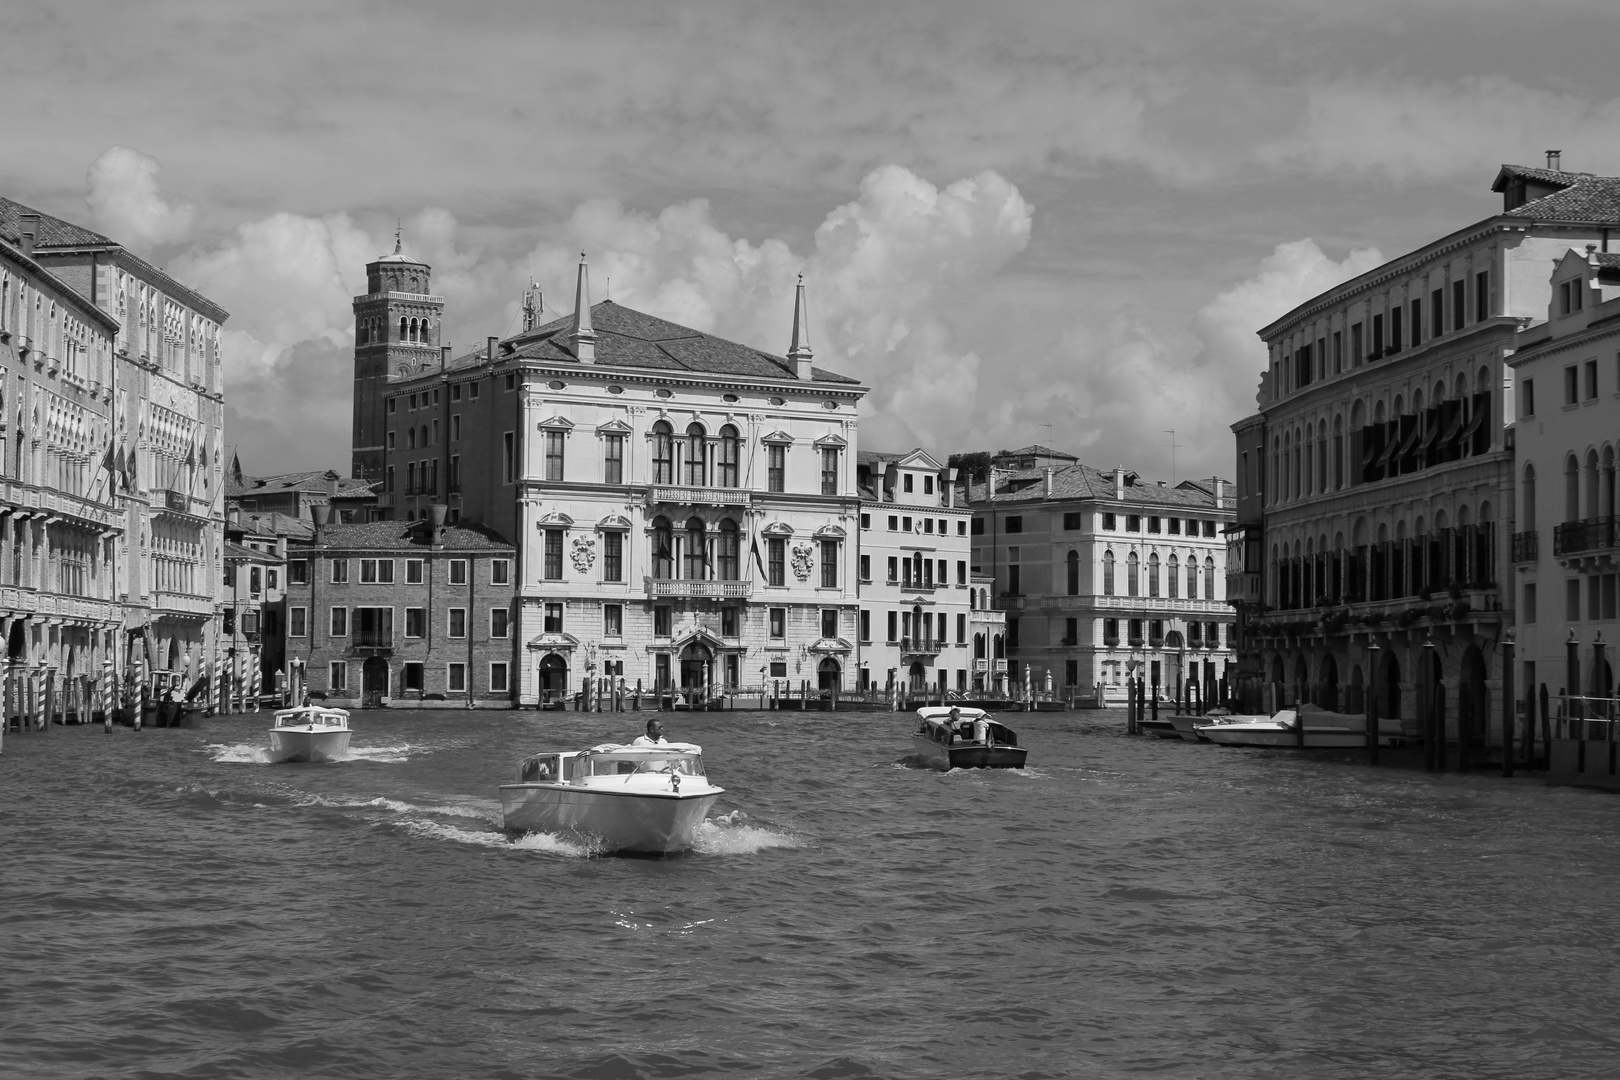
981 731
654 736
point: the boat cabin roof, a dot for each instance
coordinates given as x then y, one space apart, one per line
312 715
943 712
656 748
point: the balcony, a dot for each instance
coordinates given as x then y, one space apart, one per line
1576 537
1164 603
920 646
659 588
697 496
371 639
917 586
178 603
1525 547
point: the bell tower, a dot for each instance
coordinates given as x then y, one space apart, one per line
396 334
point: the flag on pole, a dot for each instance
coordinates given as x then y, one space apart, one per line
109 462
759 562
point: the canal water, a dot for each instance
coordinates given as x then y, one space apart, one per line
172 906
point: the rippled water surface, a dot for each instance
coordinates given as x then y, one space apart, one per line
172 906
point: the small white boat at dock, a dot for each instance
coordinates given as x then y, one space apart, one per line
967 740
1322 730
309 733
644 798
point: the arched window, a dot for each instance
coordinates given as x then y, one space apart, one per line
663 549
973 599
728 549
696 562
1192 577
364 331
1153 575
1073 573
1338 452
697 456
410 438
1001 648
663 453
1173 570
404 323
426 340
729 454
1528 516
1108 573
1209 577
978 646
1591 484
1572 489
1133 584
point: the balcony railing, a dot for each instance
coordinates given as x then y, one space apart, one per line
699 590
372 639
1591 534
183 603
1163 603
698 496
919 646
1525 547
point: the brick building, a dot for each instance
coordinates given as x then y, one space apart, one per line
403 612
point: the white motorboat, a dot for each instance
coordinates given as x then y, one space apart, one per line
309 733
969 739
1322 730
647 798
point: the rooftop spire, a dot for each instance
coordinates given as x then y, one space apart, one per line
399 233
799 352
583 337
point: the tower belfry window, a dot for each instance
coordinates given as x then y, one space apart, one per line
403 324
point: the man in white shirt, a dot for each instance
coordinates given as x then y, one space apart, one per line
654 736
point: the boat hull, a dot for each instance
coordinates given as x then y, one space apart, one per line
1316 738
1164 729
650 822
292 744
968 755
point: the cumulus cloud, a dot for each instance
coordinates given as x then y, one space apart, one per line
127 203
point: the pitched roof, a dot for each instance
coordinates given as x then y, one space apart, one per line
53 231
235 552
1070 482
1580 196
275 523
1037 450
410 535
627 338
313 482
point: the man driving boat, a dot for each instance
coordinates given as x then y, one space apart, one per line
654 736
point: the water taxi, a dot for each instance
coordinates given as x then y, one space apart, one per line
1308 726
955 737
646 797
309 733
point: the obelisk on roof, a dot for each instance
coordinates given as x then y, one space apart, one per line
799 352
583 337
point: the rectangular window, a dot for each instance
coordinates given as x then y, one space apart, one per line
1376 345
376 571
1458 304
1014 581
1396 336
1133 522
1338 351
612 620
499 622
508 456
894 569
866 626
415 622
613 556
1174 526
978 526
455 678
776 546
410 678
554 454
866 568
500 571
457 622
928 526
340 571
661 621
1209 528
497 677
553 620
1153 524
1591 380
472 390
894 523
1356 355
511 380
928 485
613 459
1108 522
458 571
776 468
393 405
338 675
778 669
866 521
1572 600
1417 323
893 628
340 622
829 564
829 622
961 571
778 623
1015 524
1571 384
1071 631
297 622
298 572
829 470
906 482
1482 295
1012 632
554 555
1071 522
905 524
413 571
1527 397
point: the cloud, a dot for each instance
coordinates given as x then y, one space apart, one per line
127 204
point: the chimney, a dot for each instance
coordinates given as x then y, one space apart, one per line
950 486
1119 483
444 357
321 513
583 338
281 548
436 516
1554 160
799 352
331 483
489 348
1046 483
234 517
28 233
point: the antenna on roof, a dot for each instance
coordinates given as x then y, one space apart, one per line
1173 444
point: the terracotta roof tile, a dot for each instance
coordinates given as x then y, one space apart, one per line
411 535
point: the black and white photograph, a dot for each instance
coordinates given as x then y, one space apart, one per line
825 539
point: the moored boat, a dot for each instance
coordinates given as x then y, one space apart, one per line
309 733
1308 726
955 737
647 798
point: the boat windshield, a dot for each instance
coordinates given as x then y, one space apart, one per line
622 764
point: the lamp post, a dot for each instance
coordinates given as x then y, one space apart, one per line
1434 725
1372 700
1508 708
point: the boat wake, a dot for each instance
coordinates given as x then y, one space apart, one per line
398 806
730 834
238 753
386 755
535 841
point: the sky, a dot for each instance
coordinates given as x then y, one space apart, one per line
1018 222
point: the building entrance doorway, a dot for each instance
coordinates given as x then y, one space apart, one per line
697 671
552 678
374 681
829 676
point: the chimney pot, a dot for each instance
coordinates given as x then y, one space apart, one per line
1047 482
1555 160
320 513
1220 502
28 233
1119 483
489 348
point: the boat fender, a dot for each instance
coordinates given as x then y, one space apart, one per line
675 782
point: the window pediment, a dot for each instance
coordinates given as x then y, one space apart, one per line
829 532
614 521
834 441
778 438
612 427
556 517
778 528
556 423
